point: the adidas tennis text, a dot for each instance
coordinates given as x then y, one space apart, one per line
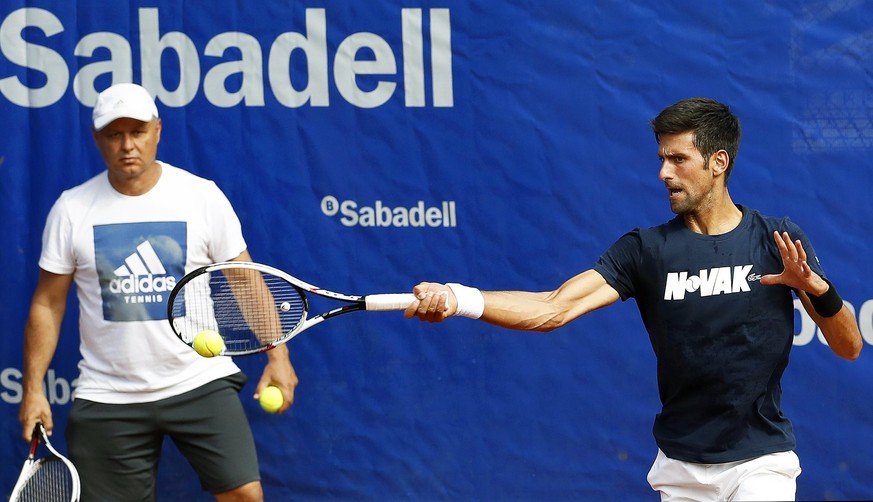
142 278
142 284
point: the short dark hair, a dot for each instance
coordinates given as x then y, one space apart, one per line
714 126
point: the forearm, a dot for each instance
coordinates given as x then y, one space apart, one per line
279 369
280 373
840 330
549 310
278 355
41 335
521 310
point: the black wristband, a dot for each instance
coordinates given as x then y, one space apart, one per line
829 303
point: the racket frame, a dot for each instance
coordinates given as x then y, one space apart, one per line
33 464
354 303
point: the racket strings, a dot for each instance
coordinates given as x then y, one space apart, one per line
247 307
50 480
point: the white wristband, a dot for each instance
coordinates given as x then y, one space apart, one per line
471 303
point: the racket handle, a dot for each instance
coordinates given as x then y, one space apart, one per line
393 301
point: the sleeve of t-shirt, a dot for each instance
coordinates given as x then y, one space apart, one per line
620 263
227 240
57 255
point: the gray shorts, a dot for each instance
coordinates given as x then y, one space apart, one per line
116 447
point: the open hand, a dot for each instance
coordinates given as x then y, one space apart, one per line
796 272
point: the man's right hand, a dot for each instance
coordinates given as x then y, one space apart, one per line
34 408
434 302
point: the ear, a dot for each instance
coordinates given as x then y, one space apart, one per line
158 128
719 162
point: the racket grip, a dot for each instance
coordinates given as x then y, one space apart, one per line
392 301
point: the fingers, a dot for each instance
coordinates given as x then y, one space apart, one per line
796 272
27 429
287 398
34 408
27 426
793 254
432 302
801 253
281 375
287 394
787 248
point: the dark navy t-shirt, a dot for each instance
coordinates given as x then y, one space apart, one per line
721 337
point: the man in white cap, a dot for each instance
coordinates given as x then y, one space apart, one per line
125 237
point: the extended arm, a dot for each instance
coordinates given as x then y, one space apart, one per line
520 310
278 371
841 329
41 335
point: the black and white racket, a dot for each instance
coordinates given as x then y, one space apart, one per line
255 307
47 476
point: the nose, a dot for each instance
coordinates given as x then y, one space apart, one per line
127 143
666 172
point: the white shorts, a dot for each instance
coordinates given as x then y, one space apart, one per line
769 477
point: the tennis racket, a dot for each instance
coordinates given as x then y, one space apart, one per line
47 478
255 307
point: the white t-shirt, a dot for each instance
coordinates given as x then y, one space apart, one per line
126 254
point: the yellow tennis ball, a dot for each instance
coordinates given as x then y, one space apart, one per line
208 343
271 399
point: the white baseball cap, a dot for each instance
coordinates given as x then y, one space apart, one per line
123 101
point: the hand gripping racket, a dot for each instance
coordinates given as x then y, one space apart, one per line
49 477
255 307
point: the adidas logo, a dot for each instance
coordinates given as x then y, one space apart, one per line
142 273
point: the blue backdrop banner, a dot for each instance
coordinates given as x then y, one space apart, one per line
367 146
